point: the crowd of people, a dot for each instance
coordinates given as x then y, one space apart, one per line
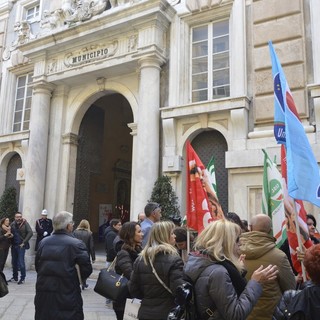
235 269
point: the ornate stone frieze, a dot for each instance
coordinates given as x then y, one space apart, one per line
198 5
90 54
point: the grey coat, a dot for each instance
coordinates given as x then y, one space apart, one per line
214 290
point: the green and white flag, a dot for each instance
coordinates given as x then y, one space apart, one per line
273 199
212 175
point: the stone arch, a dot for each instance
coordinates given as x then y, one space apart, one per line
197 129
89 96
221 146
7 157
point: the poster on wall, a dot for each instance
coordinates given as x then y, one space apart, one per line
105 210
105 214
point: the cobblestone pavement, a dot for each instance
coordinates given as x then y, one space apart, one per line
18 304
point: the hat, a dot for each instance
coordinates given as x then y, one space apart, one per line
44 212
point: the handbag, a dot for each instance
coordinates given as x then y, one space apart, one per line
131 309
111 285
3 285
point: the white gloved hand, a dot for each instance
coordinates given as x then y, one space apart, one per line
45 233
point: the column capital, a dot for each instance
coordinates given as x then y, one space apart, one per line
42 86
70 138
314 90
151 61
134 127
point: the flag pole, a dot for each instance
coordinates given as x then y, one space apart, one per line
188 240
304 277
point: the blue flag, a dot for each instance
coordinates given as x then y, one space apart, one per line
303 176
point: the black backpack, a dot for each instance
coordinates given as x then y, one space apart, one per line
186 307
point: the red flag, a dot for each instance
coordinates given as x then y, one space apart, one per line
291 218
202 204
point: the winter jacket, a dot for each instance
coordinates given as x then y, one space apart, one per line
156 300
22 233
260 249
299 305
110 234
87 238
124 265
44 229
58 294
214 290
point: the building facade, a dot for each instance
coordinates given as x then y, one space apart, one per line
98 98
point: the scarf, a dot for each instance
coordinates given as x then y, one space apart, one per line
237 280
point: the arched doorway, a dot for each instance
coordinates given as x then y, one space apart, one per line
103 167
11 177
210 144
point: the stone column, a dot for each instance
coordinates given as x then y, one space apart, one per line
147 161
135 159
36 160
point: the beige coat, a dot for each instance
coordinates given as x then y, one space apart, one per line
260 249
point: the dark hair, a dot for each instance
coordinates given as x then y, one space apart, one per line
233 217
127 233
114 222
312 263
310 216
181 234
3 220
150 207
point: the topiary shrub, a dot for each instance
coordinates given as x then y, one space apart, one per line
8 203
164 194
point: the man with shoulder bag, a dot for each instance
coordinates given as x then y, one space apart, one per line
22 233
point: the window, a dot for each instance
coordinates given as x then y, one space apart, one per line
23 103
32 13
210 61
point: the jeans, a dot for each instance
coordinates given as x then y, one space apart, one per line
17 254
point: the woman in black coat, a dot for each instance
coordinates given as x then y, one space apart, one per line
5 241
84 233
157 273
131 236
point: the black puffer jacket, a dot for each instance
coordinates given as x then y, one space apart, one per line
87 238
299 304
156 300
58 294
215 290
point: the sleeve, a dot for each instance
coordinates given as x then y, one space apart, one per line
133 284
50 229
286 277
124 263
111 254
225 298
91 246
176 274
29 233
39 230
83 260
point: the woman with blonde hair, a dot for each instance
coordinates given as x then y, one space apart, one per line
216 270
157 273
84 233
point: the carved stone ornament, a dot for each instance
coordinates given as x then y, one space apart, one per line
24 34
197 5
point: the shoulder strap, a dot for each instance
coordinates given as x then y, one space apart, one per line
156 275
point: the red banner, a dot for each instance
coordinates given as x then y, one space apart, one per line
202 203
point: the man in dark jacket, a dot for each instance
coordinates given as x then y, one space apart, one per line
22 233
110 234
61 260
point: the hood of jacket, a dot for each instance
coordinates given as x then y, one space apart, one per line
195 265
256 244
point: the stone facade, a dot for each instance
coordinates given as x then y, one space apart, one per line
81 52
